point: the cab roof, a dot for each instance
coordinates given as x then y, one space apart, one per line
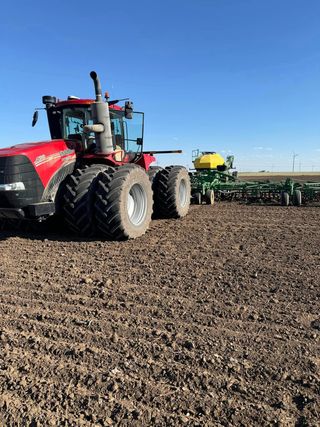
83 102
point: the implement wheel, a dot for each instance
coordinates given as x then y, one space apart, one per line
297 198
78 197
123 205
209 197
285 198
172 192
197 198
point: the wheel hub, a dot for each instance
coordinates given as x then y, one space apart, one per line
183 192
137 204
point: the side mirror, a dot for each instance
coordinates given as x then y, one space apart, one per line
35 118
139 141
128 110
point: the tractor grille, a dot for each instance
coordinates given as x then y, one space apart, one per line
19 169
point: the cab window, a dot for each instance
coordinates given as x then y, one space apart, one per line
73 120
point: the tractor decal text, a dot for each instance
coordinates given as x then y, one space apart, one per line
40 160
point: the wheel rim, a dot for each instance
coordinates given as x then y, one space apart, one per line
137 204
183 192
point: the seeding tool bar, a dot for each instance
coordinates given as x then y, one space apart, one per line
227 187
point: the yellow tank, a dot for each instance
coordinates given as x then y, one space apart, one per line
208 161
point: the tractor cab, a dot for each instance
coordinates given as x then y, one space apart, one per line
68 119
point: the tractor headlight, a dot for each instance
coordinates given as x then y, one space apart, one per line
14 186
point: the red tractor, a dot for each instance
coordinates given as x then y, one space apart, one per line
94 172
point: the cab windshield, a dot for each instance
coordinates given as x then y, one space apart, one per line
127 134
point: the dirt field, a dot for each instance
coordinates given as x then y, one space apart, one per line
212 320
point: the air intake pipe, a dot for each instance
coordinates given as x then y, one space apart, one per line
101 120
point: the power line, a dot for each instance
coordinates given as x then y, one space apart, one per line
293 160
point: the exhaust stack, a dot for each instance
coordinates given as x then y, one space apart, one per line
101 120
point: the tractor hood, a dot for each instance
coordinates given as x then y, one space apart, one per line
33 149
46 156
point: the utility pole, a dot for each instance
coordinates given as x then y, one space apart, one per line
293 160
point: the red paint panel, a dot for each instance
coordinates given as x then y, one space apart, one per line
84 102
146 160
46 156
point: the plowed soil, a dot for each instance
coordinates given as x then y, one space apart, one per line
212 320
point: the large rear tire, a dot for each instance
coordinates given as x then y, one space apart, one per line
123 205
79 197
172 192
152 172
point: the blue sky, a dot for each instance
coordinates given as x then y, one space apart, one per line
234 76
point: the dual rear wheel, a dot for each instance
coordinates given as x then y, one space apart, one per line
123 205
171 192
119 202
